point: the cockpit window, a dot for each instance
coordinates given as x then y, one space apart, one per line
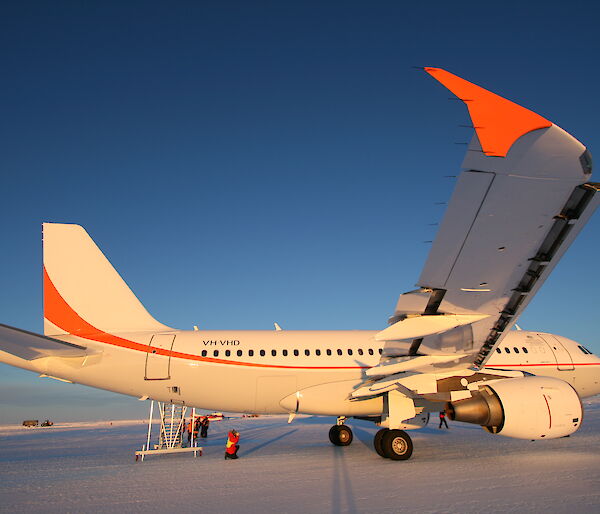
584 349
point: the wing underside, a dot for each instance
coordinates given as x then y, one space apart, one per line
522 197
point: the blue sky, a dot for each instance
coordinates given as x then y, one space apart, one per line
248 162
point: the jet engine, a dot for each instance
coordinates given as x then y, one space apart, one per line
524 408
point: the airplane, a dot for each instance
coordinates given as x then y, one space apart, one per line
523 195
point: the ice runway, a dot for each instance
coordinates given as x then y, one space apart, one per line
294 468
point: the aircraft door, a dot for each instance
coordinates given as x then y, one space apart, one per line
564 362
158 358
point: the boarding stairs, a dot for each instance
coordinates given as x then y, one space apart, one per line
172 424
170 436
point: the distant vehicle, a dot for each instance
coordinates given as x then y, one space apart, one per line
47 423
30 423
216 416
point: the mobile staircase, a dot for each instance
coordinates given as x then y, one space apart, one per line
170 436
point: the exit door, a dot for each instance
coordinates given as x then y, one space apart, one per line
158 358
562 356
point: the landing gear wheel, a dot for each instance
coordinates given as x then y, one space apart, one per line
397 445
340 435
377 440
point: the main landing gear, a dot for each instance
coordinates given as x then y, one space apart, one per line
340 434
393 444
390 444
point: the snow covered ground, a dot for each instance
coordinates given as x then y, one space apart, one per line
90 467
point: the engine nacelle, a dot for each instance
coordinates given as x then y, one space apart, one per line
524 408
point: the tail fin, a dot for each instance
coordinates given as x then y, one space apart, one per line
83 293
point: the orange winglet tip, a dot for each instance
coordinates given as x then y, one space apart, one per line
498 122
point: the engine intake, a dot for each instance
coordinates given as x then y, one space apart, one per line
524 408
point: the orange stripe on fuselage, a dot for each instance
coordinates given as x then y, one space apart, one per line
60 313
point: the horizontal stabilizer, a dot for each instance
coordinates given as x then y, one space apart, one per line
420 326
30 346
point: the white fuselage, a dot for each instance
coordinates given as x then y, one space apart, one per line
253 371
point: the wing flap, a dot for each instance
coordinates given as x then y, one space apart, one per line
466 202
420 326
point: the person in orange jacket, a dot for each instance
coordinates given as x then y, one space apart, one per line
189 428
192 427
232 446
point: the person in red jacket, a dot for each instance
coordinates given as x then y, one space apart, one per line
443 419
232 446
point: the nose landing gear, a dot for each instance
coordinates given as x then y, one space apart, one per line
340 434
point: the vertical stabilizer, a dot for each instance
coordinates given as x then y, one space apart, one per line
83 293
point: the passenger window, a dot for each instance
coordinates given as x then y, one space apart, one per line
203 353
227 353
250 353
525 350
318 352
328 352
380 351
349 351
516 349
239 353
339 352
274 353
371 351
360 352
216 353
498 350
307 352
296 353
262 353
507 350
284 353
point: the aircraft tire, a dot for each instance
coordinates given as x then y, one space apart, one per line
397 445
341 435
377 442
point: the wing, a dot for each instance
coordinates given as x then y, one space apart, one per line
522 197
30 346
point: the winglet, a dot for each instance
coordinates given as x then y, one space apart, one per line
497 121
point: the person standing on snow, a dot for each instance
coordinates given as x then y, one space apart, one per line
232 446
443 419
190 428
204 427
